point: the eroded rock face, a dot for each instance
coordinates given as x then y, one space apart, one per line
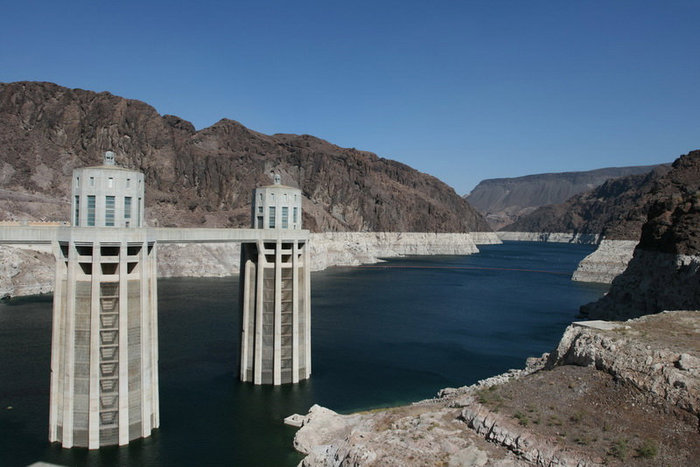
25 272
665 270
607 262
205 178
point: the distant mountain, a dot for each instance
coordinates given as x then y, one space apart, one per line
205 178
505 200
617 209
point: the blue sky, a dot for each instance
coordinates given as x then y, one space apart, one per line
461 90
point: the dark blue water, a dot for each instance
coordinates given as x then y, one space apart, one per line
381 336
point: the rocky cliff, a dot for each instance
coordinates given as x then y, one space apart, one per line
609 394
504 200
664 272
204 178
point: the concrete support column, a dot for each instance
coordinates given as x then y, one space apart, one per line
68 350
307 306
146 398
257 367
244 278
94 394
277 350
123 345
57 337
153 309
295 312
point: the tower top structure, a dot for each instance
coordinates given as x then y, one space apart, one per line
276 206
107 195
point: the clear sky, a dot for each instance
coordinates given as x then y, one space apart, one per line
463 90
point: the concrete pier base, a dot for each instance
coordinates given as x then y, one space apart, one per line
104 350
276 312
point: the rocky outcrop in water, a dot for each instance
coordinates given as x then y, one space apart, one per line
204 178
504 200
664 272
609 394
607 262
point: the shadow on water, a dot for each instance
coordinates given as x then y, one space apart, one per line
381 337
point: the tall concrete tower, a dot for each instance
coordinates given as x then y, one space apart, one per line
104 351
275 293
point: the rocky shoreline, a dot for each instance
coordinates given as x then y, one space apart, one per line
609 394
554 237
30 270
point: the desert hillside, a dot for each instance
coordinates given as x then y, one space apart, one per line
205 177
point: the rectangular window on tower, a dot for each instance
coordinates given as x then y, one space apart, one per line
127 207
109 211
295 214
271 223
110 182
138 213
91 210
285 217
76 221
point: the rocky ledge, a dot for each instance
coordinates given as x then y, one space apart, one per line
611 393
607 262
555 237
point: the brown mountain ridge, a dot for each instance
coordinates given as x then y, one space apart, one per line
205 177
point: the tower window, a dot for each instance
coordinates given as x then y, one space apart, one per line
109 211
271 222
92 181
77 182
285 217
138 213
295 214
128 182
76 221
127 207
91 210
110 182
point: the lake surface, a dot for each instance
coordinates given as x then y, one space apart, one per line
381 335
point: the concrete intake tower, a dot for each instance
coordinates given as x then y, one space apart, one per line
275 292
104 350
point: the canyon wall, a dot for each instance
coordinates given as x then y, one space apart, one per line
664 272
504 200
